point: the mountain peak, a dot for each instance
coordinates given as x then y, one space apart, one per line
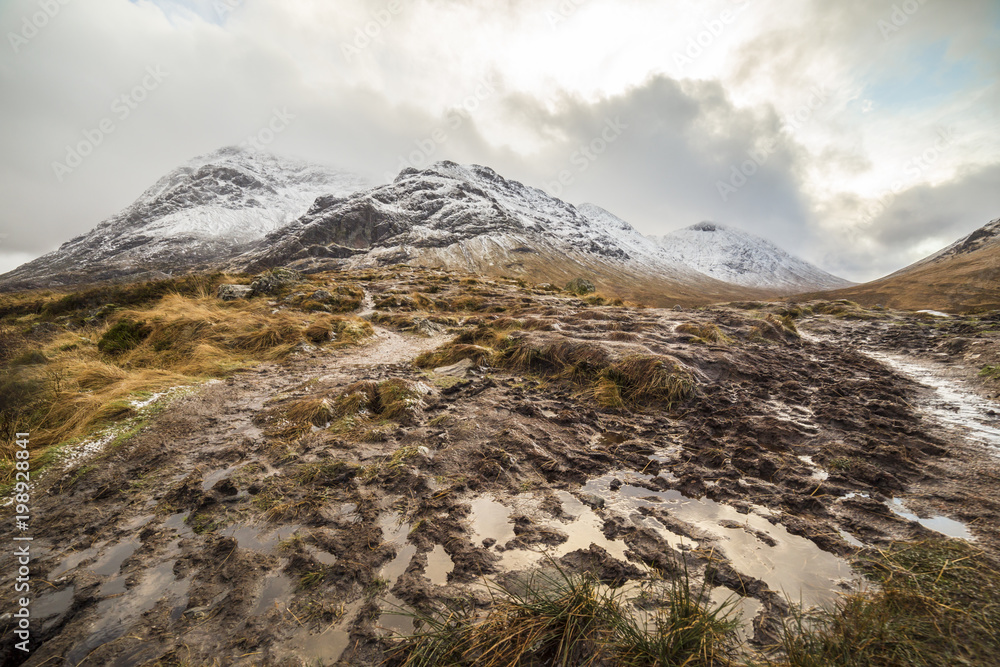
707 227
741 258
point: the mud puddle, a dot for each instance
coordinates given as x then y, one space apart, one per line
114 615
790 565
394 618
938 523
262 539
439 566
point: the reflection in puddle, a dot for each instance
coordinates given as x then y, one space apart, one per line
439 566
940 524
395 531
53 604
73 560
737 606
258 538
110 563
210 480
322 557
326 647
178 522
139 522
795 566
115 615
490 520
276 587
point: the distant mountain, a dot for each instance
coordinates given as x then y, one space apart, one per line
238 210
472 219
741 258
198 215
964 276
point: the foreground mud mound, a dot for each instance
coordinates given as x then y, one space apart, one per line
303 511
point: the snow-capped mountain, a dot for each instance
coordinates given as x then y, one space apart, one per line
426 214
470 218
740 258
198 215
247 211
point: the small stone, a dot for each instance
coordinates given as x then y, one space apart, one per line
592 500
489 542
615 484
460 369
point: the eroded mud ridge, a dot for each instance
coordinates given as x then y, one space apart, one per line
292 514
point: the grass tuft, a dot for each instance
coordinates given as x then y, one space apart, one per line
571 620
938 605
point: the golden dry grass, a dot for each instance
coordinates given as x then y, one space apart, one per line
190 338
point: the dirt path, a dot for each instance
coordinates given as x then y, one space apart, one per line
129 556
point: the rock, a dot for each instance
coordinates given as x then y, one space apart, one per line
234 292
459 369
615 484
580 286
321 296
678 307
489 542
270 282
425 327
594 501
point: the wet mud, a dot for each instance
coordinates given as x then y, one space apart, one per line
226 532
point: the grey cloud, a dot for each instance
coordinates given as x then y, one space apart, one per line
939 214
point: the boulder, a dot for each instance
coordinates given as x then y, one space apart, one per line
270 282
580 286
234 292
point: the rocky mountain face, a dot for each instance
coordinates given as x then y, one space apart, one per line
741 258
470 218
198 215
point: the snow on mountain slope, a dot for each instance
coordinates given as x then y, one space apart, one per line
422 213
738 257
205 211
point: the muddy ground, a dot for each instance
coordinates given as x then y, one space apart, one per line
230 531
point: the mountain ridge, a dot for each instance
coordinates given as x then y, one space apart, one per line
739 257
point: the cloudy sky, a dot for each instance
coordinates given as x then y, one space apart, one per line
860 134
